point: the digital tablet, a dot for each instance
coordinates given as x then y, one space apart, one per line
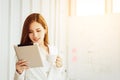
31 54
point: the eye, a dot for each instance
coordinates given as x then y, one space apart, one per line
38 30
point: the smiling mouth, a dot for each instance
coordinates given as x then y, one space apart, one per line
36 39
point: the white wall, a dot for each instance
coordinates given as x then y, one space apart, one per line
94 48
12 15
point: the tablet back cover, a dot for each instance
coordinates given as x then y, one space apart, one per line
29 53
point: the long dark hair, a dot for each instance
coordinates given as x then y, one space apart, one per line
34 17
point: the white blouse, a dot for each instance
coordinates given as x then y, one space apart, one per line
48 72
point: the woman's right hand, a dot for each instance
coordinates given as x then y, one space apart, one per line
21 65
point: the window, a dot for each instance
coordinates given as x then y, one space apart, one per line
90 7
93 7
116 6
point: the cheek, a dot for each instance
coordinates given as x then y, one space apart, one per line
30 36
43 35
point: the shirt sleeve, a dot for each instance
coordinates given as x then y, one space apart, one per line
60 54
55 72
19 76
61 70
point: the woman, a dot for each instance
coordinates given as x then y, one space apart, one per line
35 30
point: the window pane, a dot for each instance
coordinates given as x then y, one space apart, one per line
90 7
116 6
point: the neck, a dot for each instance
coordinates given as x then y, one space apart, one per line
44 47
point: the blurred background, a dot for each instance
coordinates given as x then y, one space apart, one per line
86 32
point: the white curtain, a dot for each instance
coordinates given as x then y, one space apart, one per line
12 16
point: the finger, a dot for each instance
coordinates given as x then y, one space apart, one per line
58 64
23 64
59 59
25 67
21 69
21 61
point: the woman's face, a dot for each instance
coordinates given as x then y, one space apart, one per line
36 33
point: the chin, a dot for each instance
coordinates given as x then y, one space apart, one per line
35 42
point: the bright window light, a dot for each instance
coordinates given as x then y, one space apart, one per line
116 6
90 7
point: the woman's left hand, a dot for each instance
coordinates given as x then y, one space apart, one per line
59 62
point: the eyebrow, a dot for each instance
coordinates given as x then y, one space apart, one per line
36 29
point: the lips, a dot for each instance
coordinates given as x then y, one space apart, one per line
36 39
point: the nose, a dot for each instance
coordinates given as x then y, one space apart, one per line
35 34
